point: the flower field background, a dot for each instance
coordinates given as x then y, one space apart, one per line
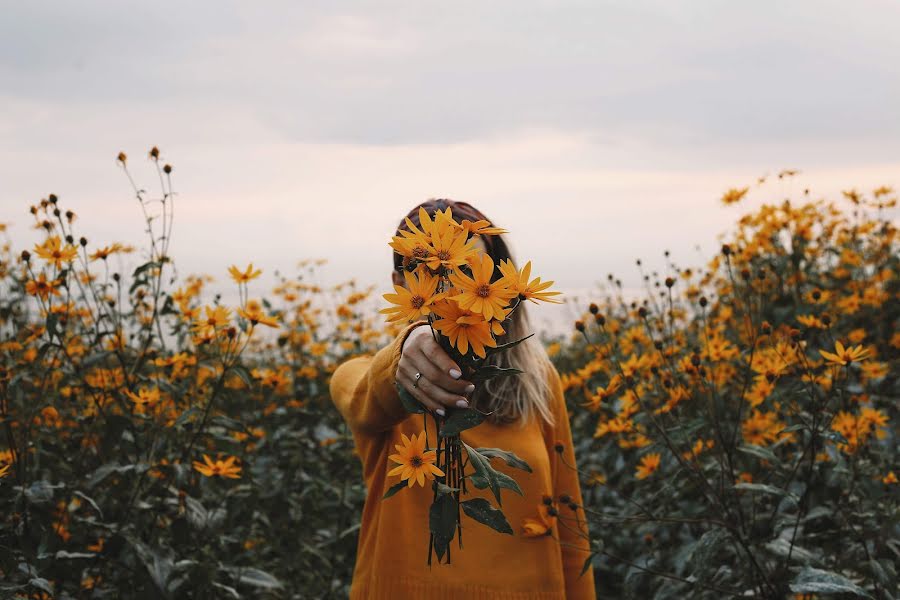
735 427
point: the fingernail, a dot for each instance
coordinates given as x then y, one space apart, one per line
470 388
455 373
462 404
440 411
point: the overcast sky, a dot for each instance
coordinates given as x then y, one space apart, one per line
597 132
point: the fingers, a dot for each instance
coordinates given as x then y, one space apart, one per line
427 391
443 370
407 382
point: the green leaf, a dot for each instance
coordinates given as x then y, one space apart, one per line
482 511
766 489
484 469
760 452
409 403
254 577
242 372
461 419
52 322
834 436
41 584
781 547
442 522
817 581
707 547
504 480
508 457
394 489
491 371
507 346
104 471
258 578
444 489
587 563
144 267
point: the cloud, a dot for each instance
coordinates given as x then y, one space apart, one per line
597 131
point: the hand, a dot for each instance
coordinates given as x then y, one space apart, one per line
439 385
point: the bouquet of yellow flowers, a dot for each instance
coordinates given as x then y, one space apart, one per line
468 301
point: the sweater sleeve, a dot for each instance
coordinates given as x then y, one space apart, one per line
574 547
364 391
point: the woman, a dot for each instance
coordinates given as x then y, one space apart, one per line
544 559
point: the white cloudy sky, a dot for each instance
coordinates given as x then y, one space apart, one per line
597 131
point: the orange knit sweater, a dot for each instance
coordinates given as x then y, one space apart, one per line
393 543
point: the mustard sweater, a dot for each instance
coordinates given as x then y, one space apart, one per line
393 543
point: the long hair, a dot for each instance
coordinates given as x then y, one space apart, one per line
519 397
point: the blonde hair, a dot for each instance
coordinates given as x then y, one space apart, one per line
523 396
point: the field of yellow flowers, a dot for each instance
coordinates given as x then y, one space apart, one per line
735 428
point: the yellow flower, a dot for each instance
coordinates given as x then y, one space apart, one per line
412 246
528 290
413 301
542 525
4 471
144 399
54 252
222 468
106 251
42 287
463 328
889 478
734 195
478 294
449 246
415 464
762 428
216 318
649 465
480 227
811 321
253 312
597 478
845 356
245 275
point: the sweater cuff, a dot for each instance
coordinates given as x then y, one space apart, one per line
384 373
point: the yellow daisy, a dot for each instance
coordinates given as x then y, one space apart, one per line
415 464
528 290
845 356
413 301
478 293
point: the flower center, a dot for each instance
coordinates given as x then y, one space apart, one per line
483 290
417 301
416 461
443 255
420 252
